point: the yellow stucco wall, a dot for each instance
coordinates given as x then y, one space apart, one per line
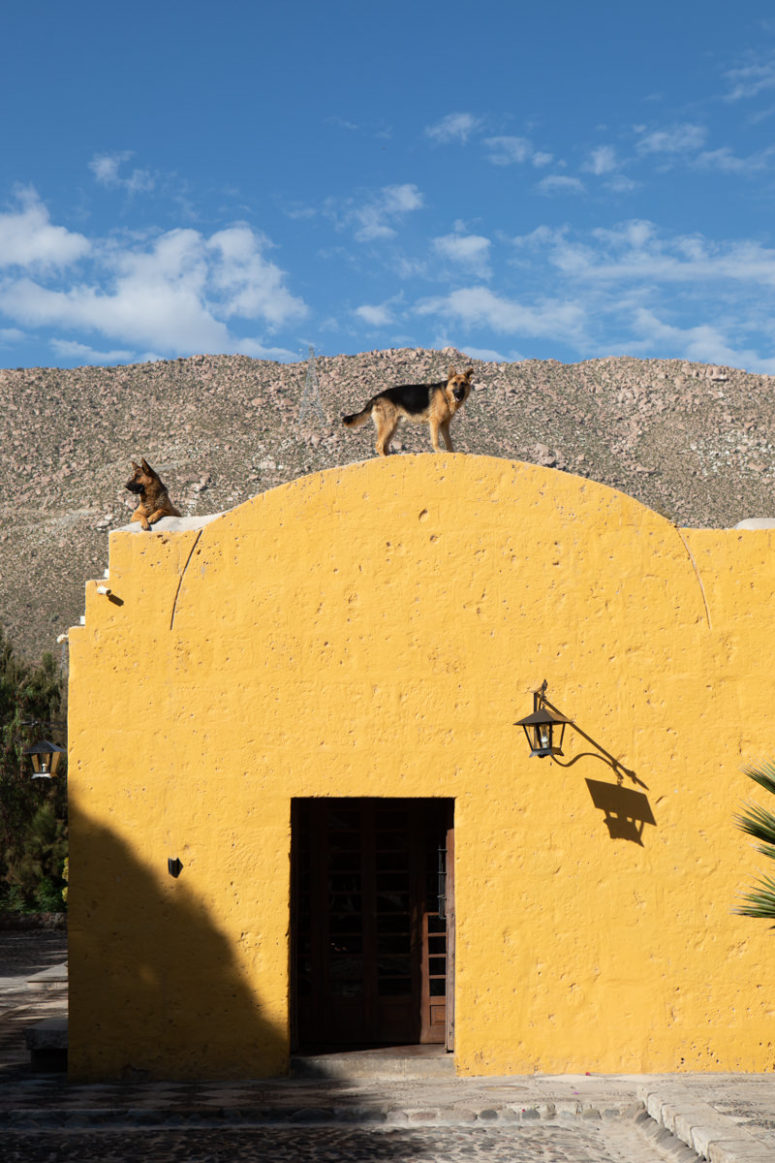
376 631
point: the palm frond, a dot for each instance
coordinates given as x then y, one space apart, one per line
764 776
760 902
759 823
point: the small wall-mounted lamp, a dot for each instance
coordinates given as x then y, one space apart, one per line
45 758
107 592
44 754
544 729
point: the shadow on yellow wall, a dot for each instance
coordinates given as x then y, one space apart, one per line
153 971
626 811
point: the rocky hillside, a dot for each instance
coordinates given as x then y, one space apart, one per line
693 442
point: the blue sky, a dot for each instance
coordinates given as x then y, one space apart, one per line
554 180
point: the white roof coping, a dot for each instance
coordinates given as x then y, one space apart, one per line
169 525
756 523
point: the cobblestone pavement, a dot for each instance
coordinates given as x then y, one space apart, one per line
605 1143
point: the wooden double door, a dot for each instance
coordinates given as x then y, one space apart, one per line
372 922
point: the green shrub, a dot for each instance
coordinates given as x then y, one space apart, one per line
33 814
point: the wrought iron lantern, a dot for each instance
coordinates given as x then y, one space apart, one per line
45 758
544 729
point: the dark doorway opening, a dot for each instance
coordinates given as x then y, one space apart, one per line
372 922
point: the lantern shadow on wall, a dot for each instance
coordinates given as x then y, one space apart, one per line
626 811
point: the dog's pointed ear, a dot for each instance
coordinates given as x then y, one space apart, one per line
135 465
468 373
146 467
452 372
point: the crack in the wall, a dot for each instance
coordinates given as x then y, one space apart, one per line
697 574
182 575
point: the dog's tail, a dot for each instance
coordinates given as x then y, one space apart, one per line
355 419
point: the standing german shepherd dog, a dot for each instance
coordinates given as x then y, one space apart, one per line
432 404
154 498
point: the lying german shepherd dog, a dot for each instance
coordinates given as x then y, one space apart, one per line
431 404
155 502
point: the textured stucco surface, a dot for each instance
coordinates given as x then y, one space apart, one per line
377 630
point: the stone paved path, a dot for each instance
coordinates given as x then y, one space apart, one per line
613 1142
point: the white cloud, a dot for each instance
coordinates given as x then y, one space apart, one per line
470 250
257 350
409 268
621 184
640 290
680 138
604 163
105 168
374 315
724 161
70 349
635 234
401 199
560 184
479 306
636 251
171 295
541 236
602 160
750 80
343 123
453 127
509 151
489 355
702 343
139 310
250 286
29 240
377 218
297 211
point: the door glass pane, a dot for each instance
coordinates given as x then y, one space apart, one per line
393 861
345 923
395 987
394 943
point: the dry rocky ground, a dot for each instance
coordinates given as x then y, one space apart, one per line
691 441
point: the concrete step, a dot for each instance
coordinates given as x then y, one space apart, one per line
47 1043
388 1063
53 978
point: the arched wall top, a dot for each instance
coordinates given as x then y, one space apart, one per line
441 516
486 479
